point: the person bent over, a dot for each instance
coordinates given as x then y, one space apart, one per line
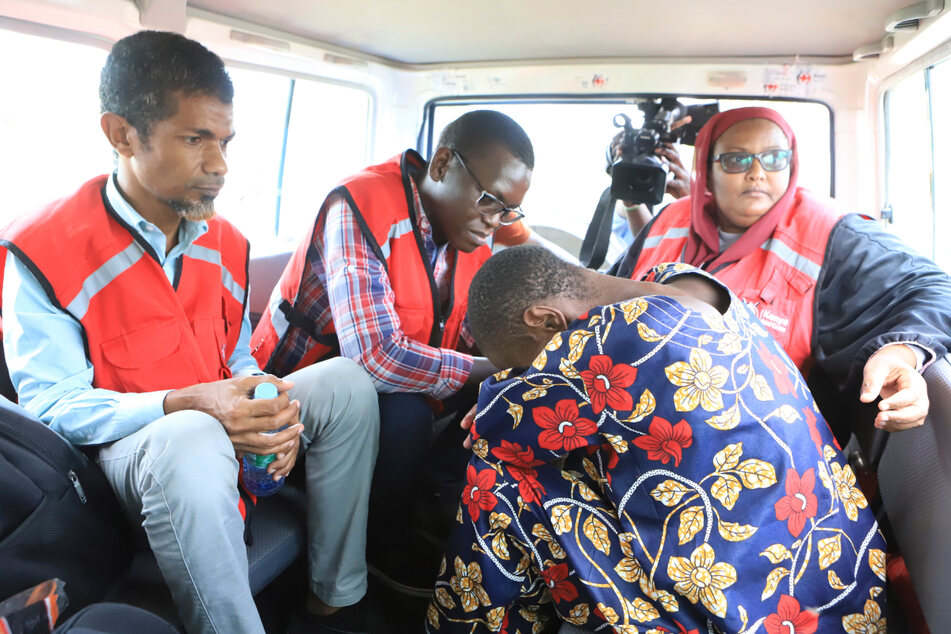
653 461
126 330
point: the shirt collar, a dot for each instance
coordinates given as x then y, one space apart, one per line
188 230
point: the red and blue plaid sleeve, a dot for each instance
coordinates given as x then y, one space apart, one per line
368 328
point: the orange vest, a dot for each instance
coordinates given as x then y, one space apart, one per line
778 280
141 333
381 197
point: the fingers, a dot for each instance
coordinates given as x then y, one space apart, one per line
873 379
469 418
466 423
668 151
905 408
267 443
284 461
903 391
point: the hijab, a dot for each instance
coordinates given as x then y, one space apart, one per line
703 244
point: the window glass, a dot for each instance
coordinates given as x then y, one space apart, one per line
274 201
941 130
908 163
49 149
327 140
571 139
249 197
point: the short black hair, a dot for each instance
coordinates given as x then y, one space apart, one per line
143 71
513 280
475 132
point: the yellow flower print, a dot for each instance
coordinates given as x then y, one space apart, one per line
851 496
699 382
871 622
702 578
467 583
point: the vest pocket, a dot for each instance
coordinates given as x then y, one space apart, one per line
143 347
411 323
779 304
144 360
215 356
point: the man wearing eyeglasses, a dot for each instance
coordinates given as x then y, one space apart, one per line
383 279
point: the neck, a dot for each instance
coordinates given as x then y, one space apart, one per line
149 207
423 188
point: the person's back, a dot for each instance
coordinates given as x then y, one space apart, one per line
657 465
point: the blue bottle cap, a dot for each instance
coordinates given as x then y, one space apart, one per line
265 390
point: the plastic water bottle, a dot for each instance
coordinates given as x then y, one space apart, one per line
257 480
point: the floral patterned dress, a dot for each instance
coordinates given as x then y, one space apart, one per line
659 469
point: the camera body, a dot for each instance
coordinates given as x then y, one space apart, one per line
639 175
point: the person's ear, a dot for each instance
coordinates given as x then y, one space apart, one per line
439 163
545 319
118 132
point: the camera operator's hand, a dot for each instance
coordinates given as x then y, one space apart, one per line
679 185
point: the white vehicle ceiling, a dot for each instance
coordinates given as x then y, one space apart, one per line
422 32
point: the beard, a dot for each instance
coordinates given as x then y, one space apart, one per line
194 210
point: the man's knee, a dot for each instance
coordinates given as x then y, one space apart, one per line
189 442
339 381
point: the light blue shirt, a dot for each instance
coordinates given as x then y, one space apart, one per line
46 356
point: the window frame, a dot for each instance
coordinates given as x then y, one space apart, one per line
425 141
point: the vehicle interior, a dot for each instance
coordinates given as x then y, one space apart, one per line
324 88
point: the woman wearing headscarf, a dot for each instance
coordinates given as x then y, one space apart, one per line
849 302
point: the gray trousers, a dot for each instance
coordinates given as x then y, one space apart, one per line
179 476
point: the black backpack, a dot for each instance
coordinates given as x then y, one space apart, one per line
58 514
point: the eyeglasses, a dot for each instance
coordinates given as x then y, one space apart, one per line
739 162
489 205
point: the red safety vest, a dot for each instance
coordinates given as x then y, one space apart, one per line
381 197
141 333
778 280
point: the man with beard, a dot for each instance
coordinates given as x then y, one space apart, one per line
126 330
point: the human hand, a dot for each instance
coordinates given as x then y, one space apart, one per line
466 424
679 185
244 418
890 373
284 461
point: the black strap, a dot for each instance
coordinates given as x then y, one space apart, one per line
299 320
596 238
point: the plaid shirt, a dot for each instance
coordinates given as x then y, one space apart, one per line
356 293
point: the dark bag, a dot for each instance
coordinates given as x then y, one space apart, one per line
58 514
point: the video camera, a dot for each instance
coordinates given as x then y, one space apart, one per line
639 175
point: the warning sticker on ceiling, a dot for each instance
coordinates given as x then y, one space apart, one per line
792 80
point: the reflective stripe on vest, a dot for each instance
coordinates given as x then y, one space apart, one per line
796 260
213 257
100 278
672 234
398 229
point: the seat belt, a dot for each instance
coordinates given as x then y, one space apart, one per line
596 239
